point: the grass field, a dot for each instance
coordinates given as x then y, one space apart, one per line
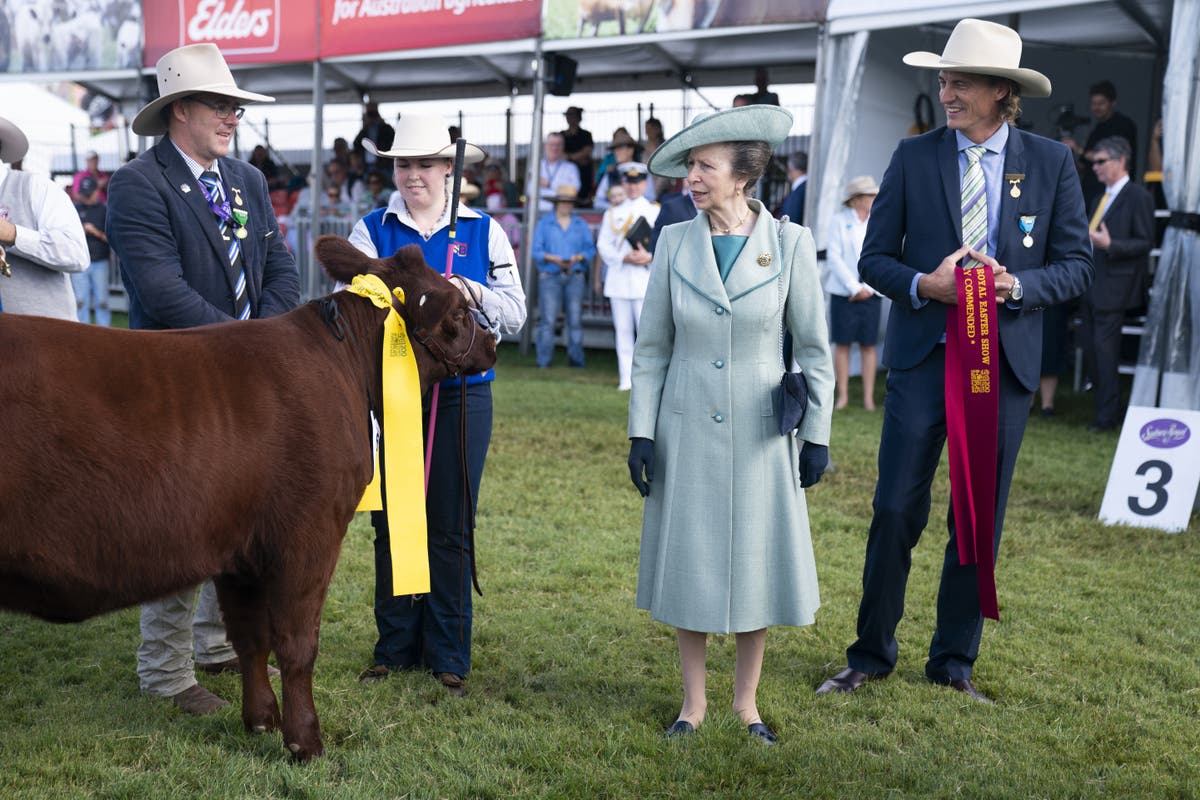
1096 664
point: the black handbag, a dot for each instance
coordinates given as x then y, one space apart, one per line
793 401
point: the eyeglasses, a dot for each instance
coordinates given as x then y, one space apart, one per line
223 109
1098 161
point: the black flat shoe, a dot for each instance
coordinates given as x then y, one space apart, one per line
678 729
760 731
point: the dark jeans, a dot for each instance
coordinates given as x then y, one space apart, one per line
434 630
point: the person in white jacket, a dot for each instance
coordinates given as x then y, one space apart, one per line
627 269
854 307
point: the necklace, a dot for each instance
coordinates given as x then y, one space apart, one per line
734 227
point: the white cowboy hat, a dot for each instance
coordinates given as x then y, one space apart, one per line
984 48
14 144
423 136
863 184
754 123
192 69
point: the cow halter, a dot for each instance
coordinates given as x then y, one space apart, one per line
454 365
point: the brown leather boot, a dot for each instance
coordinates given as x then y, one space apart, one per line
198 701
455 684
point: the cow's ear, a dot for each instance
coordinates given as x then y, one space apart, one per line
340 259
410 259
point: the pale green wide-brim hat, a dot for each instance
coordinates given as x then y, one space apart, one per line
984 48
756 123
191 69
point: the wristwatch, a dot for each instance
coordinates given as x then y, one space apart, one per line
1015 292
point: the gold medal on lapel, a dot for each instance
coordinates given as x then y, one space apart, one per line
1015 181
764 259
241 233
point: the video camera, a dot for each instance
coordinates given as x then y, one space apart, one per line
1066 120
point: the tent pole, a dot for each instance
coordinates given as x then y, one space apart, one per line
317 196
533 177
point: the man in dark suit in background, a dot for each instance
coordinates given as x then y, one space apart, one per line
1122 233
675 207
198 244
1033 222
797 172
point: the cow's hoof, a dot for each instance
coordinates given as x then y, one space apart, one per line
259 729
302 754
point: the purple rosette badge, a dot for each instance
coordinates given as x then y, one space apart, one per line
1165 433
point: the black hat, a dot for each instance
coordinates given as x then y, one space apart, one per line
87 185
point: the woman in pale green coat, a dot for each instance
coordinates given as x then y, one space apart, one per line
725 538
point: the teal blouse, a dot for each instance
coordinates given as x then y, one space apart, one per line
727 249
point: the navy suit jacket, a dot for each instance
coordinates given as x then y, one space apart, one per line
1123 270
174 263
793 205
679 208
917 221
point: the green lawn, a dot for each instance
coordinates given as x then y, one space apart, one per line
1096 664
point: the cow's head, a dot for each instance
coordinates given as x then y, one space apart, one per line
450 341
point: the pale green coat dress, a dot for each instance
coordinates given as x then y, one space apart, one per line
725 536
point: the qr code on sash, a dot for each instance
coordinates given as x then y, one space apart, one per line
981 381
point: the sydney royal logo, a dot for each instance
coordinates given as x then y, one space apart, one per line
1165 432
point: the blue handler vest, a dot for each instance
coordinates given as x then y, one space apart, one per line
471 259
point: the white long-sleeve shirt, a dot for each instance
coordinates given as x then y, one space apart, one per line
840 276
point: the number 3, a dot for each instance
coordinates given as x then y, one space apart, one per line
1158 488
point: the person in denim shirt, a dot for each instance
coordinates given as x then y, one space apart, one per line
562 249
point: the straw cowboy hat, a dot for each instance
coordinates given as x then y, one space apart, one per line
14 144
863 184
192 69
984 48
423 136
566 194
753 123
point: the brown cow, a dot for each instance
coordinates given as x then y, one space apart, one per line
138 463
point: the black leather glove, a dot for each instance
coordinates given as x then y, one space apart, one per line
641 461
814 458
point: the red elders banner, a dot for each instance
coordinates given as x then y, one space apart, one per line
247 31
351 27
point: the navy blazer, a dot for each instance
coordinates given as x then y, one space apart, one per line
674 208
793 204
917 221
173 262
1123 270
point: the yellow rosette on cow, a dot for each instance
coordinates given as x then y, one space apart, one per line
404 464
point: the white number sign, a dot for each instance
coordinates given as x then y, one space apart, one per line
1156 470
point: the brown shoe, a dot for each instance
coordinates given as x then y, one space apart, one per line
455 684
970 691
230 666
198 700
848 680
374 674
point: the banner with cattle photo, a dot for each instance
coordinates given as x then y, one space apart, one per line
579 19
47 36
353 27
246 31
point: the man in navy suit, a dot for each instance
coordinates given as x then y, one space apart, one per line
677 207
198 243
1038 250
797 172
1122 230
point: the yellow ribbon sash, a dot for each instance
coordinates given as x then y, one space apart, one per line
404 462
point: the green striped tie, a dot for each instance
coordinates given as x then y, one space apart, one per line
974 205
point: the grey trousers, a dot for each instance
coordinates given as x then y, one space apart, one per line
171 630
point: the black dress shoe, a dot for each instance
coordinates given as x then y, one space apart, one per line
679 728
970 691
760 731
848 680
1101 427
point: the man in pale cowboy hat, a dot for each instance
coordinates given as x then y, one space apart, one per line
978 197
41 240
563 251
198 244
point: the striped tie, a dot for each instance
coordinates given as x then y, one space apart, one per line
974 205
212 187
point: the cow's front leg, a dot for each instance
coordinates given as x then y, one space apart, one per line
244 608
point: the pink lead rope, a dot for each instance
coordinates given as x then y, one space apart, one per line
460 149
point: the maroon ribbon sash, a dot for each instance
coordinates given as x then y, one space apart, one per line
972 423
